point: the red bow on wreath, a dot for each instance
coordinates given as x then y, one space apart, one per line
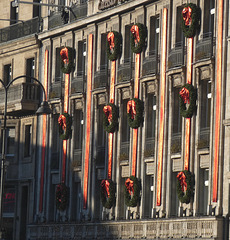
105 186
184 92
135 31
129 186
110 38
108 112
187 13
64 55
182 179
131 108
62 121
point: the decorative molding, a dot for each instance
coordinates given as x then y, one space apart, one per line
104 4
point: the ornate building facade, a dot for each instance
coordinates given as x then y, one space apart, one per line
138 143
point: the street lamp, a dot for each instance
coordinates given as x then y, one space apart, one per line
43 109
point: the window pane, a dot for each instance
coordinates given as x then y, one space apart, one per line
174 197
27 147
78 129
58 72
203 191
30 67
7 73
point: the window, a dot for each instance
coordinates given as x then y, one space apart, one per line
177 123
209 14
36 9
104 61
127 50
179 32
154 35
10 141
81 58
205 113
79 123
58 72
149 186
125 132
100 136
7 73
55 143
13 14
28 140
203 191
150 125
174 198
30 69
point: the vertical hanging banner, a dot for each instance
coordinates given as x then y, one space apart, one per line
44 123
218 99
111 99
136 95
188 120
162 106
88 119
66 108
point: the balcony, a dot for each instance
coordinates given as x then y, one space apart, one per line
125 71
205 47
78 83
56 90
176 56
55 20
19 30
79 10
101 77
150 64
22 98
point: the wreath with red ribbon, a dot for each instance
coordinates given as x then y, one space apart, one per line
64 122
132 191
62 196
113 45
190 19
67 65
110 119
138 36
187 98
135 109
108 193
184 186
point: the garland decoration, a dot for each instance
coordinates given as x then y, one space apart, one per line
184 186
108 193
66 60
135 109
132 191
187 95
190 20
62 196
113 45
110 119
138 35
64 122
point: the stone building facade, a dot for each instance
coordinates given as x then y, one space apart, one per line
165 145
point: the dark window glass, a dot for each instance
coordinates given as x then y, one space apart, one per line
36 9
30 69
7 73
179 32
174 198
203 191
154 35
127 50
81 58
10 141
13 14
58 72
103 52
78 129
55 143
27 146
209 14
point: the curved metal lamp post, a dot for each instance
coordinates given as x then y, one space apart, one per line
43 109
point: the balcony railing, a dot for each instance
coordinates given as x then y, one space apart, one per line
176 56
101 77
150 64
204 139
204 47
77 84
55 20
19 30
125 71
149 147
56 90
24 96
79 10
